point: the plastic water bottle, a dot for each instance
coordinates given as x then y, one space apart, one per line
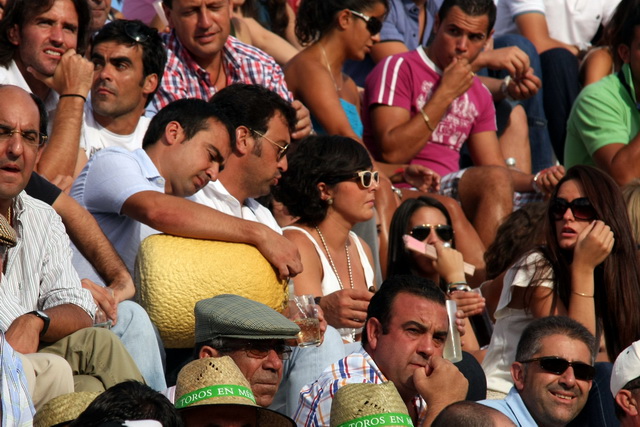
452 347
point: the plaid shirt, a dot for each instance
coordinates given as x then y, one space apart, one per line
314 406
184 78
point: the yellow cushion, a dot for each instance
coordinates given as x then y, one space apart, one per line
173 273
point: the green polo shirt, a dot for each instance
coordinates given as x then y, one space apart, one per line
604 113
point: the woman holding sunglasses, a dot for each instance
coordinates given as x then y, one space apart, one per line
426 219
330 187
587 270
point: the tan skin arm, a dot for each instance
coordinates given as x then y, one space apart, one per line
534 27
620 160
24 332
400 136
381 50
281 50
182 217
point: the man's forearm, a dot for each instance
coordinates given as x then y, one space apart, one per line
65 320
60 154
86 234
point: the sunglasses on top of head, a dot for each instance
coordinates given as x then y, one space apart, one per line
581 209
374 25
558 365
421 232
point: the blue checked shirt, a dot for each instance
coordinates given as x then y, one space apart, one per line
17 409
314 406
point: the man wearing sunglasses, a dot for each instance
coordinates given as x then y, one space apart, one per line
254 335
552 373
204 58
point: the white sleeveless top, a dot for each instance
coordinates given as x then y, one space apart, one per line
330 282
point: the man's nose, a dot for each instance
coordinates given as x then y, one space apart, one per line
272 361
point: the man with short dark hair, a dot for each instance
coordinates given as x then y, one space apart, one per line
552 373
41 47
625 385
203 58
129 60
467 413
403 341
422 106
143 192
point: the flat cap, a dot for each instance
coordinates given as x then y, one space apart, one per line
233 316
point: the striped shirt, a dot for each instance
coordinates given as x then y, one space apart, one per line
39 274
17 408
314 406
184 78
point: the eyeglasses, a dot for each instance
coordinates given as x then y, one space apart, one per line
421 232
374 25
137 32
557 365
261 349
30 137
282 149
580 208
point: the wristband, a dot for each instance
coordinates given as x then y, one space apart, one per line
534 183
73 95
504 88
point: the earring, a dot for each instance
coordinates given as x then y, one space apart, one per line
329 202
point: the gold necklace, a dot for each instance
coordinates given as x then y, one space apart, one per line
335 84
333 266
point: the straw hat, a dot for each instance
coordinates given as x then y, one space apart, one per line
64 408
381 404
219 381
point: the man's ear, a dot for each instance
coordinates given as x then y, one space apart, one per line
243 143
518 374
626 400
624 52
207 351
174 133
488 39
13 34
373 329
150 84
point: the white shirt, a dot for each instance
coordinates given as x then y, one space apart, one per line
217 197
13 76
39 274
569 21
94 137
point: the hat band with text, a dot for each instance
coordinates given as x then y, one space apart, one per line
390 419
214 391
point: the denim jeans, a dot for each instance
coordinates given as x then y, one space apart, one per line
137 333
539 134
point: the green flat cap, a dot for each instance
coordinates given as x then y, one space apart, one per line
233 316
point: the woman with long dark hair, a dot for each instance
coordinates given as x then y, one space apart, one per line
587 270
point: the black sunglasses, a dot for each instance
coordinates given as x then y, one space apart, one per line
421 232
557 365
374 25
580 208
136 32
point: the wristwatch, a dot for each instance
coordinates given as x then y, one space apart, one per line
42 315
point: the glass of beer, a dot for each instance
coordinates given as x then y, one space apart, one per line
304 312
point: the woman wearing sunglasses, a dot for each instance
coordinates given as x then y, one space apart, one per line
427 220
587 270
330 187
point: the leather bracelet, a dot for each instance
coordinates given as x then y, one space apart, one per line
73 95
426 119
582 295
